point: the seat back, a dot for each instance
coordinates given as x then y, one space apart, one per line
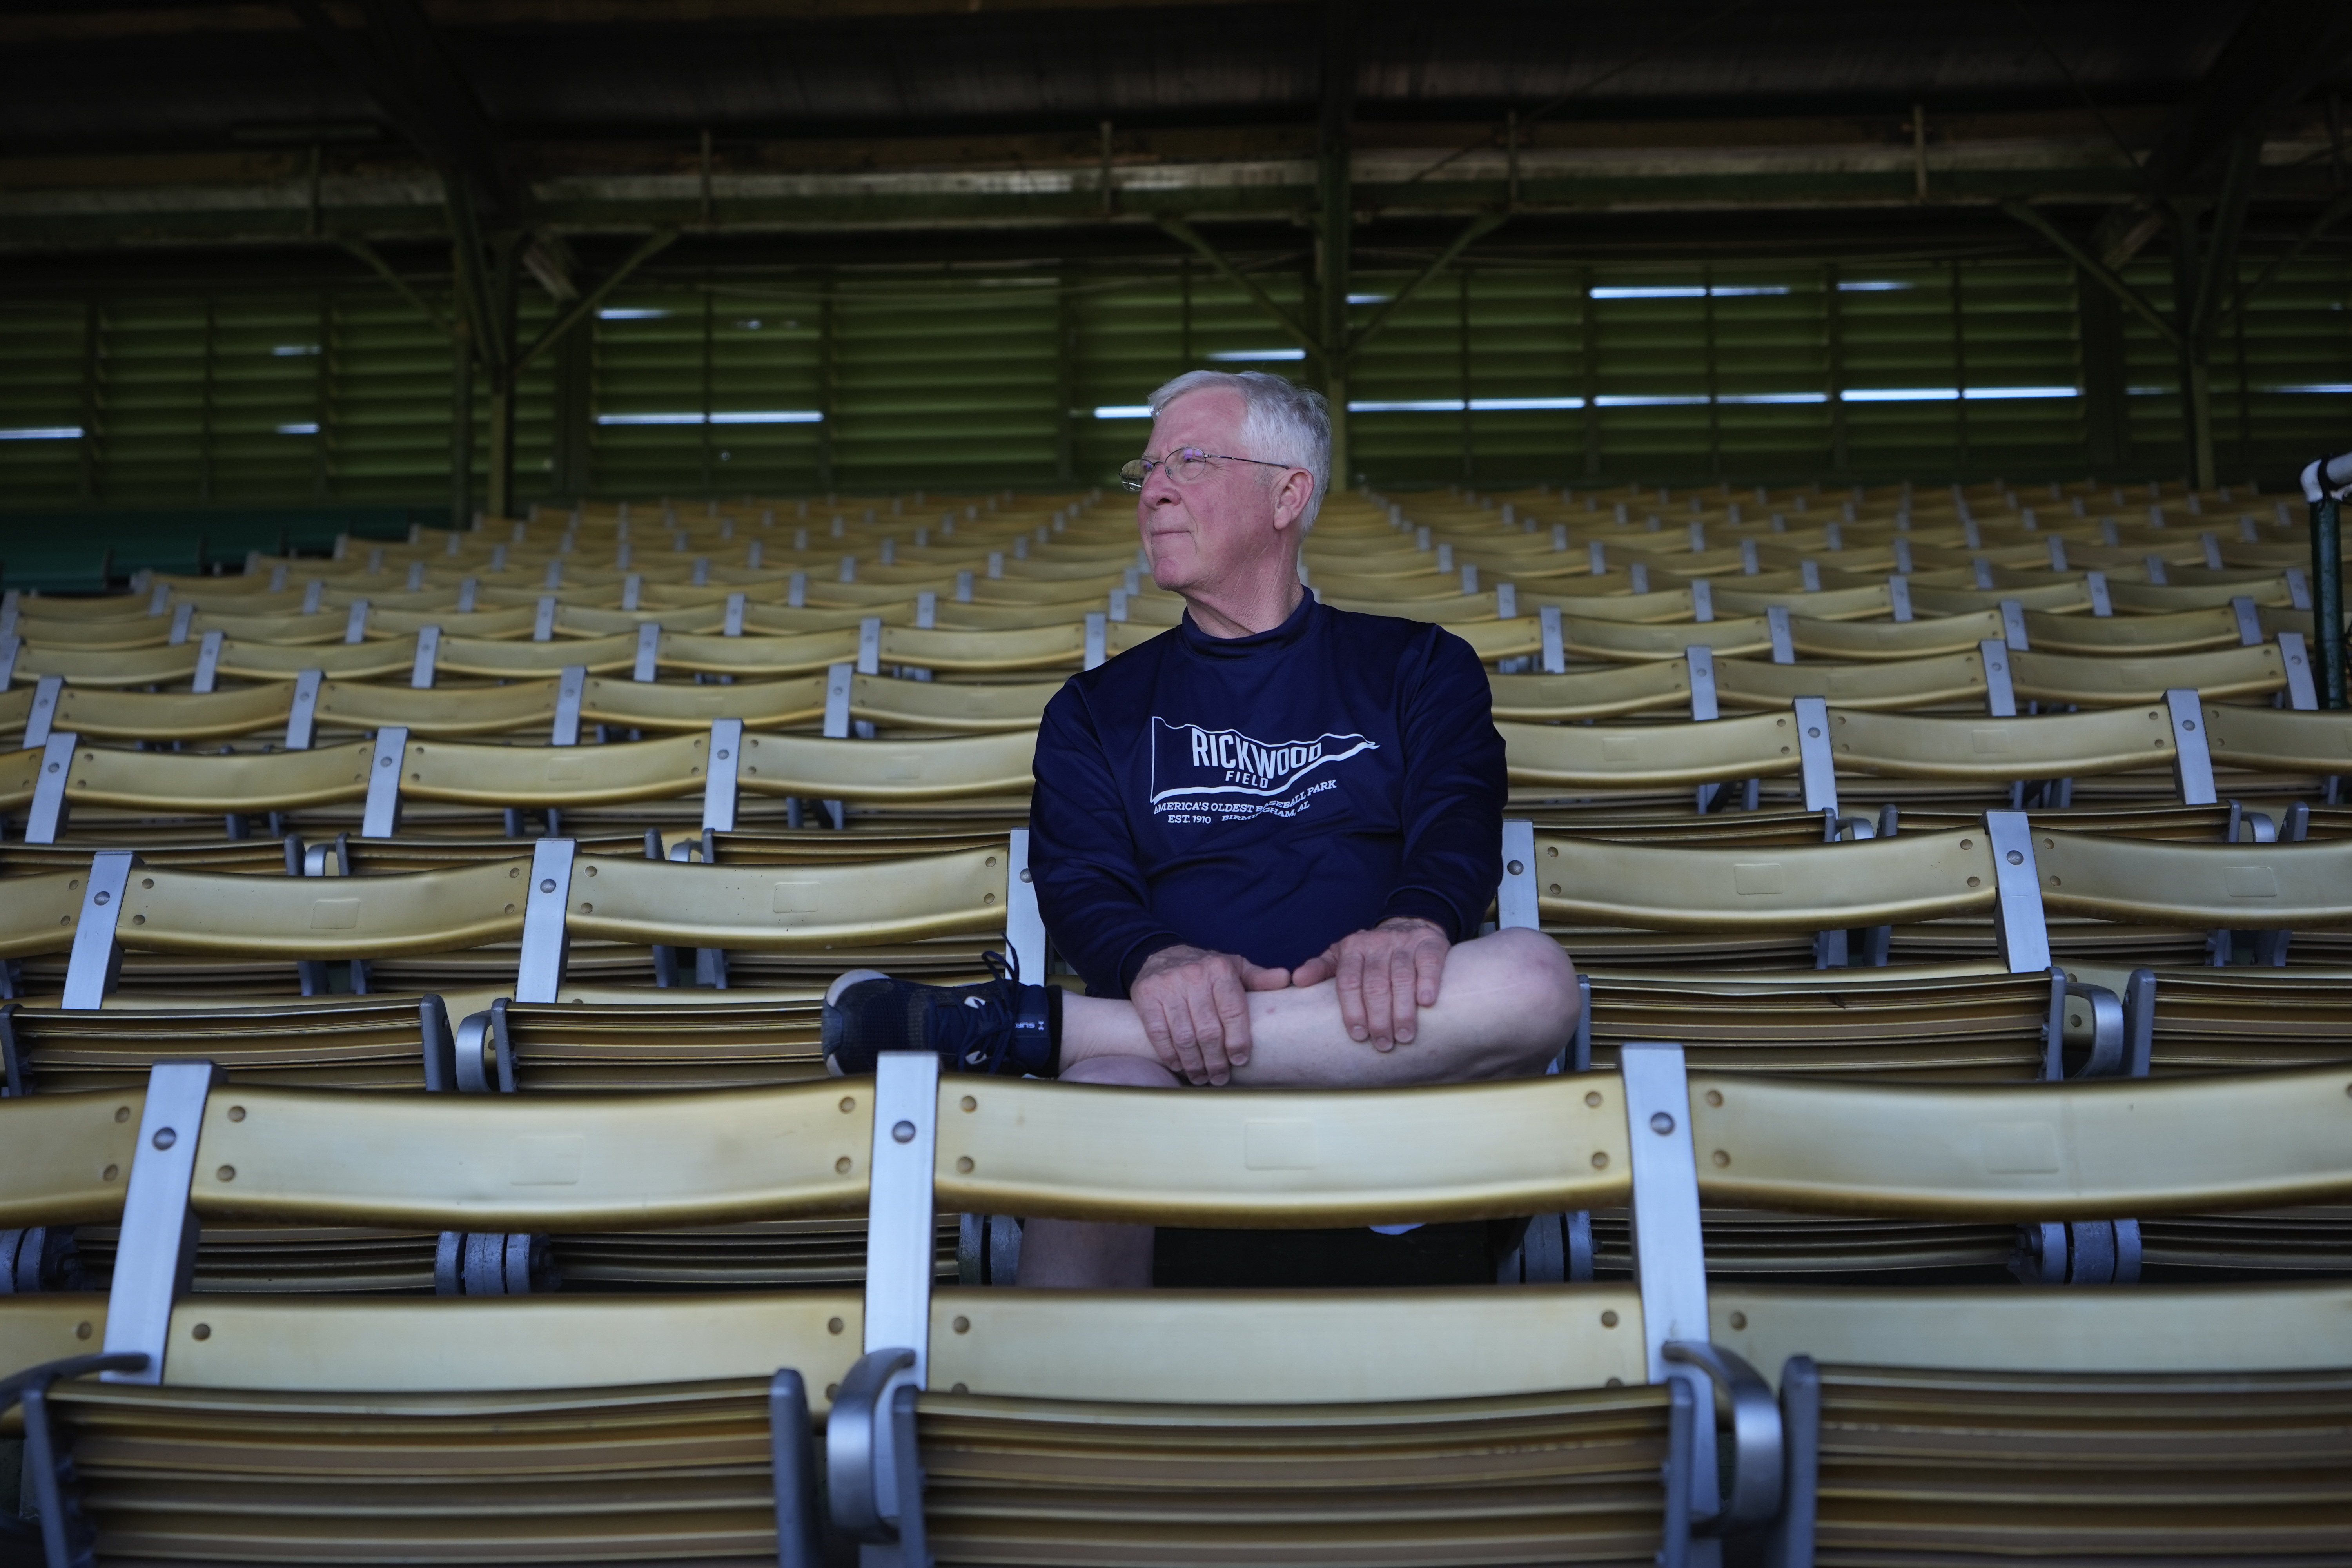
1990 750
444 714
1357 1156
165 716
766 659
167 666
1745 888
561 776
1620 643
500 659
162 909
946 768
1651 755
2207 886
2105 681
190 783
1643 688
786 909
338 661
760 704
1865 640
1039 647
2280 740
1932 680
940 705
532 1162
2066 1151
68 1157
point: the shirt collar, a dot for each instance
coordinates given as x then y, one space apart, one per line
1270 641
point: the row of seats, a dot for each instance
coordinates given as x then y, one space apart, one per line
1929 953
1587 1422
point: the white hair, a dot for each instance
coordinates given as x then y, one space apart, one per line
1282 421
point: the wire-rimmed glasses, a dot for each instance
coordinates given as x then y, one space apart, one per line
1184 466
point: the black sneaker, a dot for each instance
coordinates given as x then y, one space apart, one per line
998 1027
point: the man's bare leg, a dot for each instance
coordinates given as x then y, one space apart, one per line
1508 1005
1084 1255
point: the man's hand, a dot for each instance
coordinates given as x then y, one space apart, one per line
1385 975
1193 1008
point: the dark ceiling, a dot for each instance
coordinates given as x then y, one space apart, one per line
119 75
278 135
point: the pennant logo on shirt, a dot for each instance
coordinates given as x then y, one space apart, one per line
1188 761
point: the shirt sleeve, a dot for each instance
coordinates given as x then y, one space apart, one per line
1455 786
1082 854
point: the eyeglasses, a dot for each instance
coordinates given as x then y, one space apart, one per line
1184 467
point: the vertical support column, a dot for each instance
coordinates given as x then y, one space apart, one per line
2194 351
1336 236
1555 650
461 426
2104 422
1833 330
1066 375
500 359
2328 589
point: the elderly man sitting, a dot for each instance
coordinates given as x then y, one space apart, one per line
1262 837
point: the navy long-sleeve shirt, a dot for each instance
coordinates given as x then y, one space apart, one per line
1266 795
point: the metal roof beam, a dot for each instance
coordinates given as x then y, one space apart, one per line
396 61
1186 233
2280 52
2096 269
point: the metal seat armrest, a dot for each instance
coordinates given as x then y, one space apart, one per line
1757 1462
2105 1009
793 1450
853 1433
13 1387
63 1534
1791 1542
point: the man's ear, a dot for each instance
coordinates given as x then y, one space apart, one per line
1292 494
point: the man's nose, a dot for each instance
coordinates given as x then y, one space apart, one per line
1159 489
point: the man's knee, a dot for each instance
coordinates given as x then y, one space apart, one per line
1531 963
1527 976
1122 1072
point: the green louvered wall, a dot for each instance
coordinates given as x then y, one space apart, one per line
342 398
